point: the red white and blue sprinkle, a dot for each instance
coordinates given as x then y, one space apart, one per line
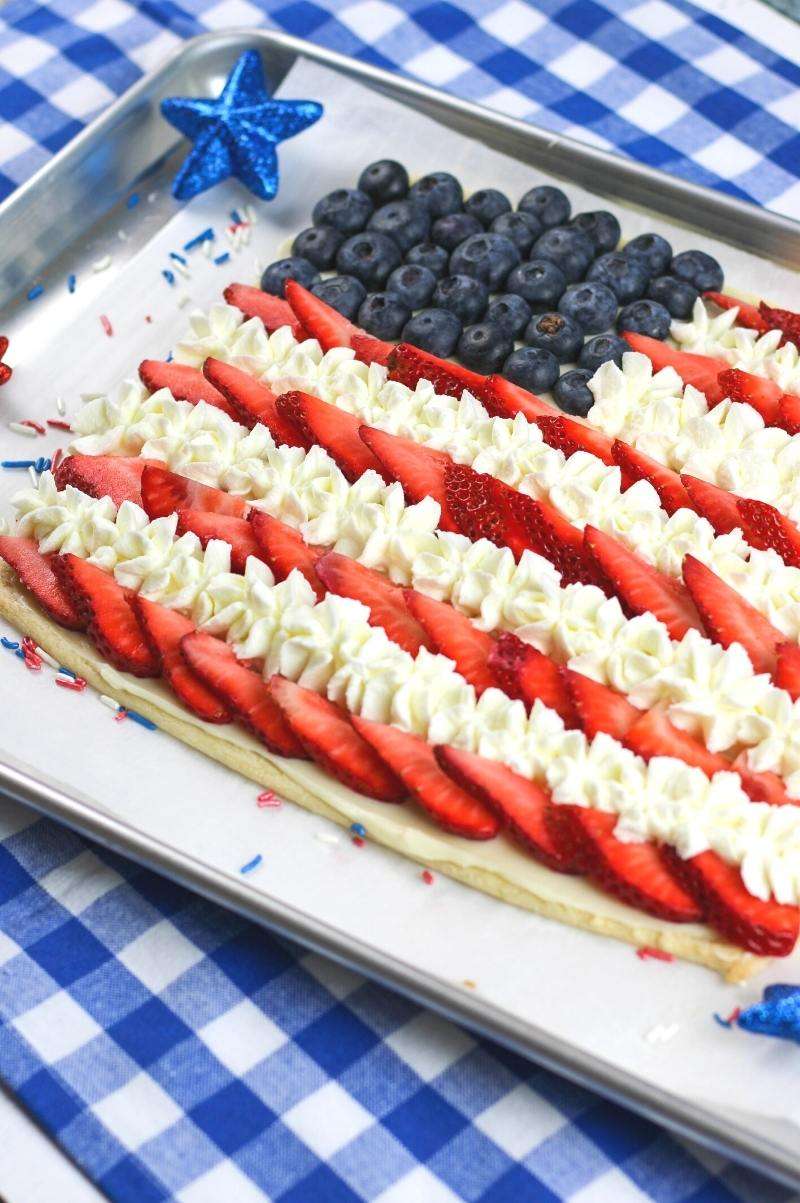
10 644
22 428
17 463
268 799
252 864
223 258
106 324
168 275
203 236
72 281
133 200
35 292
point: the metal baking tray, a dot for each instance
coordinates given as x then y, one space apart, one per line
73 204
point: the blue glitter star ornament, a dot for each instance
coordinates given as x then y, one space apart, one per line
778 1014
236 134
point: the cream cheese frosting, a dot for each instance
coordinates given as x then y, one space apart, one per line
717 334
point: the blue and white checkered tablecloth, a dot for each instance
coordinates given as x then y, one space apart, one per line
172 1050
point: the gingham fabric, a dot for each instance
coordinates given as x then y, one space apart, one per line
174 1051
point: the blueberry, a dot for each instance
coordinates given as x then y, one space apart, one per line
645 317
427 254
342 293
439 192
655 251
412 284
384 181
601 227
484 348
600 349
371 257
294 268
539 282
567 246
593 306
487 205
556 333
433 330
403 220
532 368
510 313
383 315
318 244
464 296
346 209
522 228
485 257
572 393
453 229
627 277
549 204
699 269
675 295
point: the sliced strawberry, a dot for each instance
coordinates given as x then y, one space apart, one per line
185 384
521 803
523 672
789 413
385 601
728 618
761 787
787 671
164 492
641 587
569 436
765 526
652 734
763 395
285 549
767 929
410 364
715 504
242 691
235 531
331 740
554 537
599 708
116 476
485 508
504 399
163 630
37 575
110 619
334 429
781 319
635 465
701 371
272 311
748 315
414 762
634 873
330 329
454 635
420 470
252 402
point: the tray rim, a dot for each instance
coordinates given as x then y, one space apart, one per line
685 1118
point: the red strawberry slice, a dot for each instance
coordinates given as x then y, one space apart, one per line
728 618
635 465
420 470
789 413
185 384
569 436
235 531
332 428
452 634
717 505
410 364
599 708
486 508
634 873
701 371
504 399
787 671
163 630
781 319
748 314
109 617
164 492
331 740
767 929
38 576
652 734
272 311
763 395
386 603
761 787
639 586
521 803
554 537
285 549
330 329
765 526
414 762
116 476
242 691
523 672
252 402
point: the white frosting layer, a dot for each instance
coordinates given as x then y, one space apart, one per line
718 335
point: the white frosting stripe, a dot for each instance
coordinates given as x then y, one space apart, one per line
761 354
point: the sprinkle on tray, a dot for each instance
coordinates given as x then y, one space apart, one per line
48 659
106 324
662 1033
102 264
327 837
22 428
203 236
132 201
427 877
177 258
17 463
11 645
235 217
168 276
76 684
359 834
61 406
252 864
730 1020
58 455
59 424
223 258
67 672
653 954
136 717
31 425
111 703
35 292
268 800
72 281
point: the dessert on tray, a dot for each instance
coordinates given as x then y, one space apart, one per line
552 651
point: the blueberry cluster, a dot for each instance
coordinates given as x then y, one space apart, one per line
519 291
